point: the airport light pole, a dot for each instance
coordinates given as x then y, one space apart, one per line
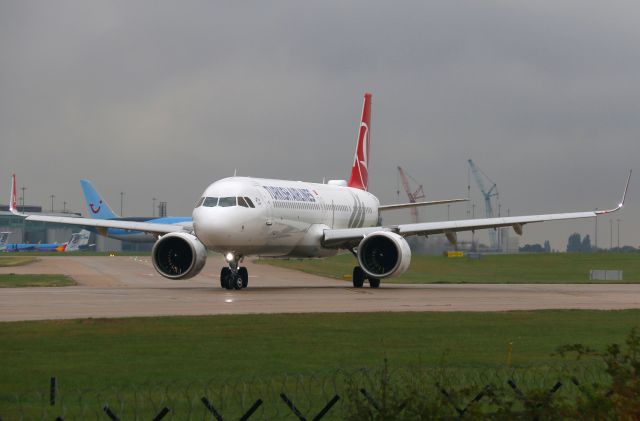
23 188
499 230
121 201
473 233
610 233
153 209
52 196
64 207
596 233
618 234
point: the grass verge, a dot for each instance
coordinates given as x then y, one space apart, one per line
10 261
83 253
12 280
507 268
99 352
145 363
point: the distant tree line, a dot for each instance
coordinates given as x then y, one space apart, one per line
536 248
578 244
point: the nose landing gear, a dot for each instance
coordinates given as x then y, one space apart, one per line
359 277
234 277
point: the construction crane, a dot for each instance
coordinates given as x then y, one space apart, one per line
488 194
414 196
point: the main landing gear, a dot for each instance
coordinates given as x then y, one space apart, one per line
359 277
234 277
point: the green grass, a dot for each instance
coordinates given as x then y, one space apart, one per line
83 253
101 352
508 268
146 363
12 280
9 261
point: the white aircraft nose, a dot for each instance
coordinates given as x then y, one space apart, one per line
213 226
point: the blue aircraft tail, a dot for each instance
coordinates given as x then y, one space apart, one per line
97 207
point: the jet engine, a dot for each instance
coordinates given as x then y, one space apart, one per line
178 255
383 254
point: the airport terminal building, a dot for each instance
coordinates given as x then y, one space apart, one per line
34 232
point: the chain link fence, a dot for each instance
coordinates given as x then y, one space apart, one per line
379 393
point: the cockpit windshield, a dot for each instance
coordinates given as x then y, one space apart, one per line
210 202
226 202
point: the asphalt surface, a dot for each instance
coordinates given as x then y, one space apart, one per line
129 286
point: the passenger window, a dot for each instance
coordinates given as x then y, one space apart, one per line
210 202
249 202
226 202
242 202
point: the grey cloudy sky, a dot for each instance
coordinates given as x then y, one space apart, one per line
160 98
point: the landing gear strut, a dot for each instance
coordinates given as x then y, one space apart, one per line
359 277
234 277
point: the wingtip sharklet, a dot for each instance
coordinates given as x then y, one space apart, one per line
621 204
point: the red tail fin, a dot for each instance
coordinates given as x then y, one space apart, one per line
360 170
13 204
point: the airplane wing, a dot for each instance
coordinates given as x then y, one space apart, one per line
351 237
383 208
107 223
148 227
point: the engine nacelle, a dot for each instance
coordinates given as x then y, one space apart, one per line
383 254
178 255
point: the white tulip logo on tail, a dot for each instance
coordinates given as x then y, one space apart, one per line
360 170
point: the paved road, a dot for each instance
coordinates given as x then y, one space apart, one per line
129 286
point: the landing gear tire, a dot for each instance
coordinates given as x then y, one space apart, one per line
244 275
237 282
374 283
358 277
226 278
224 273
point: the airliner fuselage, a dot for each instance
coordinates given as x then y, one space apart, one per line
277 218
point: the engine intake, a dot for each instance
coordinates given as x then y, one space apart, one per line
178 255
384 254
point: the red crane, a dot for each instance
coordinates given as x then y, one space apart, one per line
414 196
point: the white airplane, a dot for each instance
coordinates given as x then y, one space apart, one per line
4 239
77 241
244 216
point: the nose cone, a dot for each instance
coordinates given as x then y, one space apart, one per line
206 225
214 227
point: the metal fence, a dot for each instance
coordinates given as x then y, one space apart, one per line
449 392
605 275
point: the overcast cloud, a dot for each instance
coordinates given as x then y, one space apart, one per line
161 98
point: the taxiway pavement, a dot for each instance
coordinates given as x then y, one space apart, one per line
129 286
